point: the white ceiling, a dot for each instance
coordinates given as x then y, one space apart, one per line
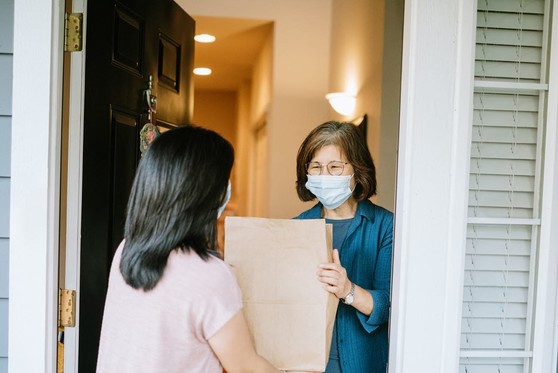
232 55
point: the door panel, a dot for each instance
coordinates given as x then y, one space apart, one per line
127 42
124 160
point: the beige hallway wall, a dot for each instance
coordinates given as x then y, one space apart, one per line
300 75
218 111
366 61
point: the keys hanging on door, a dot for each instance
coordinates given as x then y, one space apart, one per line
149 131
150 98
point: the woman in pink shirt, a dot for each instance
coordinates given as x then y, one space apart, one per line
172 305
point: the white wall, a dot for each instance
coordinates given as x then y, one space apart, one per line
300 81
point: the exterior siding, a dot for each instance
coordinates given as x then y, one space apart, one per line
6 68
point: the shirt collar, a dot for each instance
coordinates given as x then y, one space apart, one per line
365 209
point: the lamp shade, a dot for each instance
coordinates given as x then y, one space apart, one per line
342 102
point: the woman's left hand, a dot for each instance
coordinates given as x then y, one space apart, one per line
333 276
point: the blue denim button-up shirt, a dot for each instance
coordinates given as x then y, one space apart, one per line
366 255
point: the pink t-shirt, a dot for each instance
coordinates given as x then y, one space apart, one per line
166 329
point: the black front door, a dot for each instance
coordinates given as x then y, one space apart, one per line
127 42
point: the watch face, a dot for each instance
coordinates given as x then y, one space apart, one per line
349 299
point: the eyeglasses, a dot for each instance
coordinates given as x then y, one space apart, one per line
335 168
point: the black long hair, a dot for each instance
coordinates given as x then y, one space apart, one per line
179 186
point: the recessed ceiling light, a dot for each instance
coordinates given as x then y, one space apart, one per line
202 71
204 38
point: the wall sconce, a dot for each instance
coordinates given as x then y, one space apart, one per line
342 102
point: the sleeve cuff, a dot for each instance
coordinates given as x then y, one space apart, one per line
379 313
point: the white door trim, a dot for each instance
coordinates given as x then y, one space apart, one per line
35 185
74 188
433 167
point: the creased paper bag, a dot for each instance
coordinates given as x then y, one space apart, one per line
288 312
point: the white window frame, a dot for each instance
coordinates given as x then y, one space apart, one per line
545 333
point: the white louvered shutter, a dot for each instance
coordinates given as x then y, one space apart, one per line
504 186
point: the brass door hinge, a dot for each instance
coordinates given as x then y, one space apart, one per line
66 307
73 35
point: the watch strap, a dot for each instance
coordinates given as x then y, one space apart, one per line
351 293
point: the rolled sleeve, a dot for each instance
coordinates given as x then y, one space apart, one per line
381 284
380 312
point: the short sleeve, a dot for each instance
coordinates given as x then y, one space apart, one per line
223 300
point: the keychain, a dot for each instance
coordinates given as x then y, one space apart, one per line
149 131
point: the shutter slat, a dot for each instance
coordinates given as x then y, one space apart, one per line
505 102
490 365
495 294
510 71
505 233
507 53
501 199
494 309
525 6
496 326
494 246
493 341
503 183
476 262
502 167
510 21
509 37
503 134
492 212
493 277
505 118
503 151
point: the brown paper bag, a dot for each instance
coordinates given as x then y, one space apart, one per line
288 312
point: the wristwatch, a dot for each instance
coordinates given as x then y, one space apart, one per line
351 296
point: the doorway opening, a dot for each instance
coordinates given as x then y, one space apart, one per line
233 99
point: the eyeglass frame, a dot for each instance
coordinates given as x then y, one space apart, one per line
327 167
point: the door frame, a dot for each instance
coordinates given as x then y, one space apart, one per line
74 188
35 185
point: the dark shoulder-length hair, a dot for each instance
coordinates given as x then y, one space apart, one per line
352 144
179 186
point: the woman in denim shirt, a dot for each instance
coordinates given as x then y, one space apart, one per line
334 165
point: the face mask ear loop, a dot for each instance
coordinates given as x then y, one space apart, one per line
226 201
352 190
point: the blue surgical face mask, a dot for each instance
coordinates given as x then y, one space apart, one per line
331 191
227 199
